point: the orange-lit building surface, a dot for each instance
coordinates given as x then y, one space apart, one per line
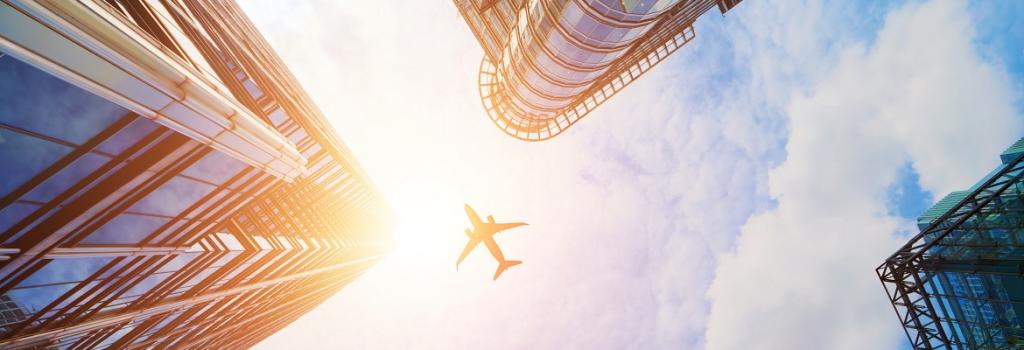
548 63
166 182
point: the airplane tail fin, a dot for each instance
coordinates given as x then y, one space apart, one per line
504 265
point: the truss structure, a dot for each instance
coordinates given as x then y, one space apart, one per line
951 240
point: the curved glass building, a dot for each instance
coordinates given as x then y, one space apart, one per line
548 63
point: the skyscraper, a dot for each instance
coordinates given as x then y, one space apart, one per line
166 183
548 63
959 283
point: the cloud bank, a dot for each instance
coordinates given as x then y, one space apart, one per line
801 275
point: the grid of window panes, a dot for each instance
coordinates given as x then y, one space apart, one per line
129 235
10 313
974 275
979 311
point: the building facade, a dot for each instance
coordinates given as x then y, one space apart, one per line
166 183
959 283
548 63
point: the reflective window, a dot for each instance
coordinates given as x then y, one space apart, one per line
36 221
172 197
297 136
178 262
141 288
253 90
311 150
126 229
54 279
216 167
533 98
558 71
66 177
14 213
535 79
230 241
575 54
277 116
585 28
37 101
632 12
127 136
25 156
114 337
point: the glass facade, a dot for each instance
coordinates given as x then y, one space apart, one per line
549 62
120 231
968 275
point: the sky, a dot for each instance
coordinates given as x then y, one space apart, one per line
738 196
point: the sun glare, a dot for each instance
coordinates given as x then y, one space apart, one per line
425 228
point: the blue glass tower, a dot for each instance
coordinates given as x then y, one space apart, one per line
959 283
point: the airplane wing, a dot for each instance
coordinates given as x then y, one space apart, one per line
473 218
465 251
504 226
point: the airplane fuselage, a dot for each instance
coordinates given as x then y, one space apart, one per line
484 232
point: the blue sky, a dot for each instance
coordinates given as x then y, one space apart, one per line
738 196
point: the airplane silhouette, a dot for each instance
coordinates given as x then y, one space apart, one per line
484 232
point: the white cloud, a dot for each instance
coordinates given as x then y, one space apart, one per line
801 275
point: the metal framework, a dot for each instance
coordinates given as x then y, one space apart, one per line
908 273
664 39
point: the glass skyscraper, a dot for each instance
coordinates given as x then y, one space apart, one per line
959 283
548 63
166 183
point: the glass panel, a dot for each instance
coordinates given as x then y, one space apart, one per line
34 100
172 197
297 136
25 156
127 136
13 213
254 91
53 280
18 234
67 177
114 337
142 287
215 167
178 262
230 241
125 229
313 148
277 116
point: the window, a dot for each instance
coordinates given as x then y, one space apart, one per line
126 229
127 136
53 280
216 167
172 197
33 100
66 177
25 156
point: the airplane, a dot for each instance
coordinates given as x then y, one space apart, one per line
484 232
